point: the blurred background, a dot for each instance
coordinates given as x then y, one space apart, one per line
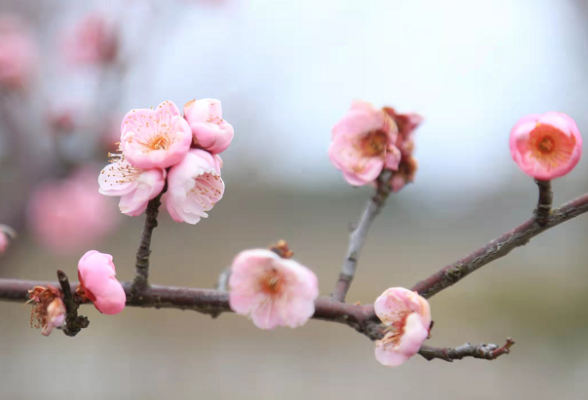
285 72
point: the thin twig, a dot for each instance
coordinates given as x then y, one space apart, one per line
223 280
359 234
141 280
73 323
484 351
544 203
498 248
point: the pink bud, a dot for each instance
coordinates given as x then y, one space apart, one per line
194 186
93 41
546 146
273 291
210 130
134 185
18 53
156 138
408 317
97 276
363 143
6 233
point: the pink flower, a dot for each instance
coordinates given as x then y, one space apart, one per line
273 291
363 143
408 317
18 53
98 282
55 316
6 233
134 185
210 131
546 146
68 215
194 186
156 138
93 40
407 124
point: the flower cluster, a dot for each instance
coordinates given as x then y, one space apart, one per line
160 145
367 140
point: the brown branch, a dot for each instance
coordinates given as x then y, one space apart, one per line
498 248
359 234
212 302
544 203
484 351
73 323
141 280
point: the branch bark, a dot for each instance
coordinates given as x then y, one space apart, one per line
498 248
74 323
485 351
544 203
141 281
359 234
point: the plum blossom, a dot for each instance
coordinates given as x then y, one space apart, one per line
68 215
408 319
272 290
48 310
210 130
194 186
134 185
156 138
98 283
92 41
6 233
18 53
546 146
364 143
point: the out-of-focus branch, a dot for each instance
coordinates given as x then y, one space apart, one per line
141 280
359 234
544 203
485 351
73 323
498 248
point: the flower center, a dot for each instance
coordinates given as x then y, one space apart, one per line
550 146
374 143
395 331
271 282
158 142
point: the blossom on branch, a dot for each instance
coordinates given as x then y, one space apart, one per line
156 138
98 283
407 317
93 40
194 186
6 234
134 185
211 132
364 143
546 146
18 53
272 290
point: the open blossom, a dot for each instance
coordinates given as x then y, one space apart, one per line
194 186
98 282
156 138
134 185
363 143
408 317
6 233
92 41
273 291
546 146
18 53
48 310
68 215
210 130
